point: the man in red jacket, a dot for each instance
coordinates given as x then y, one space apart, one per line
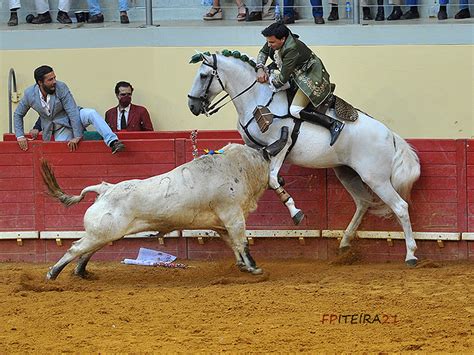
127 116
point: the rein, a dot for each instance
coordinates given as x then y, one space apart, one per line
212 109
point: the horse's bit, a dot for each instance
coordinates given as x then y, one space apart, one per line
212 109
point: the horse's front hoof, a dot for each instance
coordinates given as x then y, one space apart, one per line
411 262
297 218
50 276
343 250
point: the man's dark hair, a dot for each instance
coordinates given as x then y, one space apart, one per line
122 84
41 71
277 29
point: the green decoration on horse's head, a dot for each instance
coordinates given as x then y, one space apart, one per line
198 57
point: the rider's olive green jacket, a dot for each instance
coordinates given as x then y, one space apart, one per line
299 63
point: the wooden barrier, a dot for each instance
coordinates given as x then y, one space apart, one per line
33 227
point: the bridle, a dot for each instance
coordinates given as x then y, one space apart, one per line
206 107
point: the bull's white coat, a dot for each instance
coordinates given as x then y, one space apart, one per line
214 192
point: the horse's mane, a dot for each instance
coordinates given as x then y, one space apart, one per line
198 57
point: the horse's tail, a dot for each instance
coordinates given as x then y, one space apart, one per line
55 190
405 171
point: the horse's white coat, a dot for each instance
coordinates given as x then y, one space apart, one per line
366 154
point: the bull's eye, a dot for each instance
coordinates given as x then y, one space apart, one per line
203 76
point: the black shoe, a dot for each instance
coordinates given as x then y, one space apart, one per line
318 20
254 16
13 21
334 15
411 14
124 19
99 18
117 146
463 13
63 17
442 14
380 14
42 18
334 126
367 14
287 20
396 14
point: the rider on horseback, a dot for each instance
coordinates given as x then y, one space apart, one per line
296 61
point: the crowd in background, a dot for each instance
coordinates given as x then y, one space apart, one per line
247 10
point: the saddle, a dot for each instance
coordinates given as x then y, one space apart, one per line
344 110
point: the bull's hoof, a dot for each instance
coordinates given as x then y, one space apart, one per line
343 250
411 262
297 218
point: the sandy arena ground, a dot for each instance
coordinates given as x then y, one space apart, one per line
295 306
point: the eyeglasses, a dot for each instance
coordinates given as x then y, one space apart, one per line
125 94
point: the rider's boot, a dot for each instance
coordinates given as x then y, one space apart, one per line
334 126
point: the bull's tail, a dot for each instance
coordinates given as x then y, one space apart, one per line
55 190
405 171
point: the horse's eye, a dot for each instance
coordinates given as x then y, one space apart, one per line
203 76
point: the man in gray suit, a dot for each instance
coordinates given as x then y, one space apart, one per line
60 116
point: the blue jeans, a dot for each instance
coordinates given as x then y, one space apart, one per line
316 4
89 117
94 6
463 4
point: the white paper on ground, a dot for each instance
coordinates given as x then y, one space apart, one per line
150 257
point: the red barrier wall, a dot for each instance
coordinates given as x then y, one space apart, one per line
443 198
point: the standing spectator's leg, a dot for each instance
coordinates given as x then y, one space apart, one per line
413 12
215 13
366 10
14 6
123 8
255 8
63 8
334 14
95 12
396 12
288 11
90 116
380 11
464 12
42 8
442 13
318 11
242 10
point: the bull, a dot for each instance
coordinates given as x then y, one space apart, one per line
215 192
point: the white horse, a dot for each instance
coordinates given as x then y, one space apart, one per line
367 158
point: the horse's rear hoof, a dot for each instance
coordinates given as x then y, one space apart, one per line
343 250
411 262
50 276
297 218
256 271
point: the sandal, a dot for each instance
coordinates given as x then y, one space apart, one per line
241 15
213 14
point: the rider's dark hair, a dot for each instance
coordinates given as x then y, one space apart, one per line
122 84
277 29
41 71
